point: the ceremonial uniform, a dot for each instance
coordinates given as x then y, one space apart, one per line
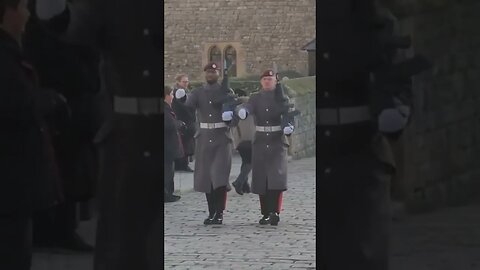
213 145
269 152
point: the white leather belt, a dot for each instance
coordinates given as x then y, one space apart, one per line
212 125
133 105
268 128
343 115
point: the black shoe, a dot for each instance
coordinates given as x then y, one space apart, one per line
171 198
274 219
218 218
184 169
237 188
209 219
75 243
265 220
246 188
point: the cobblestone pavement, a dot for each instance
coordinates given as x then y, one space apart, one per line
240 243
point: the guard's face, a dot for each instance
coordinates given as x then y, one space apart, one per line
183 83
211 75
268 82
18 17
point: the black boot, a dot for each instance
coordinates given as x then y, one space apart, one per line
263 207
246 187
237 187
209 219
264 220
220 195
211 208
218 218
274 219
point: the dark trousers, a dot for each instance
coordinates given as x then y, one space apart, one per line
271 202
217 200
245 151
129 205
354 212
56 224
15 242
181 163
169 174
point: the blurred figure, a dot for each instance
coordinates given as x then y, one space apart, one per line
71 70
242 140
173 145
130 39
27 162
187 115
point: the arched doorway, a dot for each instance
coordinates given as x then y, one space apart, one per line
215 55
230 57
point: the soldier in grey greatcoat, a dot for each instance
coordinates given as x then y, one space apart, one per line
213 141
269 174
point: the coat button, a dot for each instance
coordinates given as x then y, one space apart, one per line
325 94
327 133
210 140
266 121
210 115
266 109
146 154
146 32
146 73
210 102
267 134
326 55
268 145
328 170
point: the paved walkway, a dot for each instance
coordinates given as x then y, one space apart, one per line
240 243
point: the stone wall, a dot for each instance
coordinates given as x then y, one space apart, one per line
262 32
440 152
302 93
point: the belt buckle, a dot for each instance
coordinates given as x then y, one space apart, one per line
269 129
210 125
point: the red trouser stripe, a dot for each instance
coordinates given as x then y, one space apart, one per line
280 201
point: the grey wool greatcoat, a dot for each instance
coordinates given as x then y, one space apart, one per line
269 152
213 147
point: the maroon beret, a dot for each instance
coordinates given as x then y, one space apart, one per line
211 65
267 73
